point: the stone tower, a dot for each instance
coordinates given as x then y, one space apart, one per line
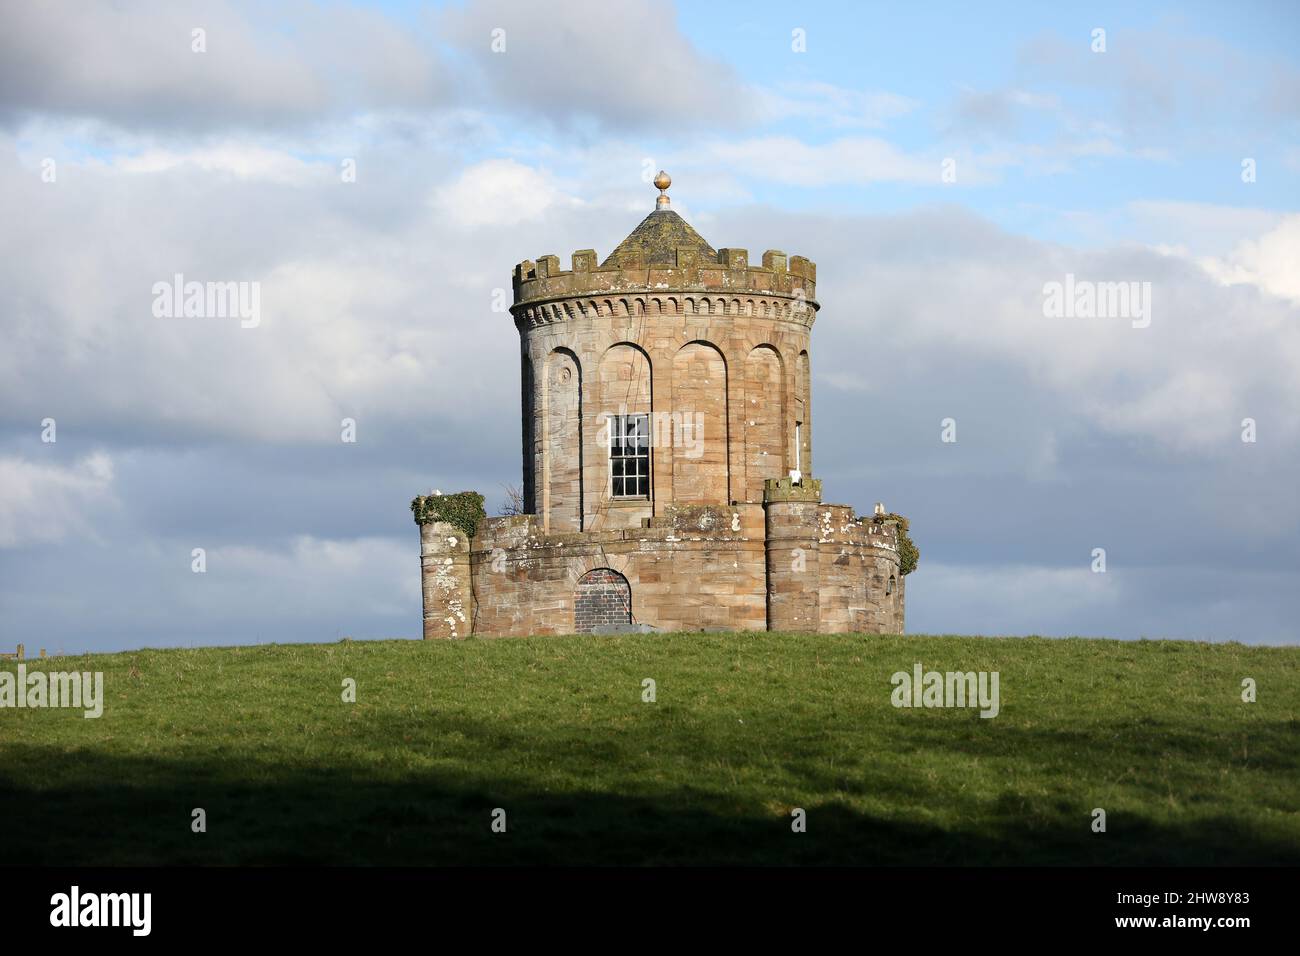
667 456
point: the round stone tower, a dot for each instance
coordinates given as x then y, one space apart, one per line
667 447
671 373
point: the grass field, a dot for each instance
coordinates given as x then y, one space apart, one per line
744 729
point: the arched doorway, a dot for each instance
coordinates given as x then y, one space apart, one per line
603 597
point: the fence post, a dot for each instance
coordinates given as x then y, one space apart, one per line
20 652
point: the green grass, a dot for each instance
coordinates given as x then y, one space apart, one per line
745 728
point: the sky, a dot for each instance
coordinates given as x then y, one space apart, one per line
377 169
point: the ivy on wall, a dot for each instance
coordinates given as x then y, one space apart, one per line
909 555
464 509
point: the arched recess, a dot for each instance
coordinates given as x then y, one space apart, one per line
530 432
603 598
699 418
801 430
623 390
563 446
764 417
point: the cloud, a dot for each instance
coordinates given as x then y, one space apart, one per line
141 592
366 314
784 159
241 160
999 112
1015 599
135 66
624 65
942 281
43 503
498 192
1166 82
369 576
1196 228
833 106
1269 263
1128 602
355 320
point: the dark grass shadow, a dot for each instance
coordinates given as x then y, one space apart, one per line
98 809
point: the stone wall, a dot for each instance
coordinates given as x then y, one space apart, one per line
445 580
693 568
792 565
857 559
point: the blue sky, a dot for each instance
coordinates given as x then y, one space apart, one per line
376 294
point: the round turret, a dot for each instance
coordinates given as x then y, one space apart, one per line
669 373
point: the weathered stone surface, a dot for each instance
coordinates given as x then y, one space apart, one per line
445 578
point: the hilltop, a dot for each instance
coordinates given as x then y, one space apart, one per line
743 730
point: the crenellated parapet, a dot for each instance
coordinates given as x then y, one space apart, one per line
838 524
788 489
694 283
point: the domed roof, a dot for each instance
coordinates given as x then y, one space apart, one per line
658 238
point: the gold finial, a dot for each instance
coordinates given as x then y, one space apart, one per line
662 182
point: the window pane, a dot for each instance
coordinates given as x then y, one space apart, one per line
629 456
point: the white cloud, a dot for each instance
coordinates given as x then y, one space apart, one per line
784 159
371 320
498 192
41 503
625 64
1165 83
355 321
241 160
932 285
359 576
832 106
133 65
1193 228
1270 263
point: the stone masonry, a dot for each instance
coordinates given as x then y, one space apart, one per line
667 452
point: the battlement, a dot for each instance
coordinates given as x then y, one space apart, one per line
838 525
787 489
693 270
